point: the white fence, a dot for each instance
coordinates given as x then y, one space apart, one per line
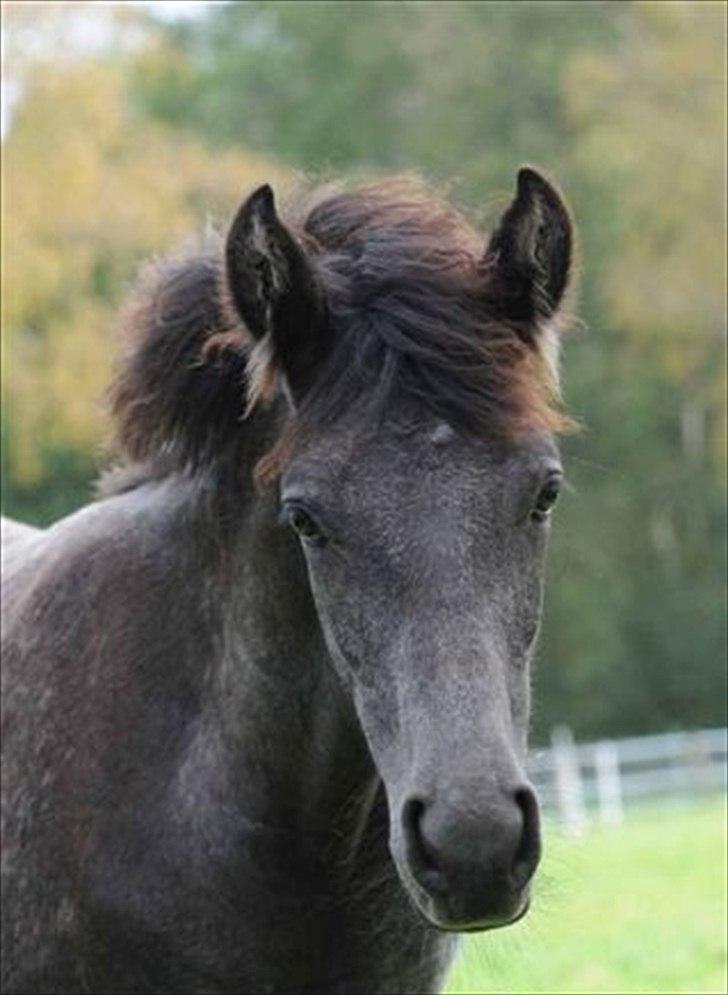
580 782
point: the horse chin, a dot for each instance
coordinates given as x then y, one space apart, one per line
487 924
440 913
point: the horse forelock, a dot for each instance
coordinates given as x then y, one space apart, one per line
407 294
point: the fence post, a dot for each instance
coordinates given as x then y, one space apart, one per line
698 762
609 785
569 788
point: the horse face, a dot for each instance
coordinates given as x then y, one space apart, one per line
425 557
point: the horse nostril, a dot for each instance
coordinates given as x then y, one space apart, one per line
421 855
528 852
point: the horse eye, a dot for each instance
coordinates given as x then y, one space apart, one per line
306 528
546 500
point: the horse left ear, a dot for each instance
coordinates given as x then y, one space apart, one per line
528 259
275 290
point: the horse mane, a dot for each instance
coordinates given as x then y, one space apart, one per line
408 298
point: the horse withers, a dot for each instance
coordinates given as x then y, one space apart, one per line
266 698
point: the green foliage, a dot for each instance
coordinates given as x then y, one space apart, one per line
621 910
73 247
634 627
66 485
314 83
456 89
623 103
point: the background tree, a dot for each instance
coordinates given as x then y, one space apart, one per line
95 189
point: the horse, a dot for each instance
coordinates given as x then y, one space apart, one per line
266 696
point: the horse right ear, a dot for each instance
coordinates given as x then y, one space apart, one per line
276 292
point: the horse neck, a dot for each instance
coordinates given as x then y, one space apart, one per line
275 702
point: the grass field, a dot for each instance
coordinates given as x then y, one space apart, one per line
638 908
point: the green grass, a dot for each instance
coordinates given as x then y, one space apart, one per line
638 908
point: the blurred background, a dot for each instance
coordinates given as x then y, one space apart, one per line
128 127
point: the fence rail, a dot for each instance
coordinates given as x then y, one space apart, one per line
578 782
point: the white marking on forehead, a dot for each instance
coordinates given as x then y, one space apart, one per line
442 433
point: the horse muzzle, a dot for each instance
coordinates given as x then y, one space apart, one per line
468 864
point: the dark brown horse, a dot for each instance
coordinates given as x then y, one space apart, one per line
266 700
